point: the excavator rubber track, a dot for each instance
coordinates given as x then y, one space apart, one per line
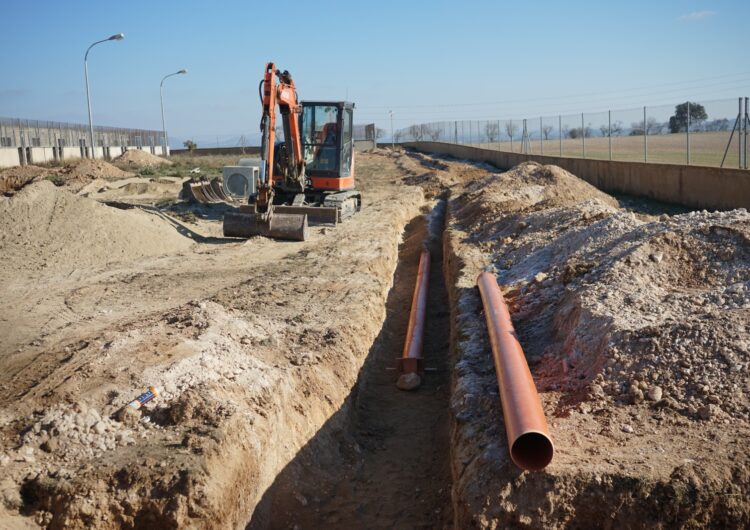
347 203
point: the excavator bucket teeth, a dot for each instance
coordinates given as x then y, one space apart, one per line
278 226
206 191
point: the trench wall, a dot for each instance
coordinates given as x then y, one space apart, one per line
710 188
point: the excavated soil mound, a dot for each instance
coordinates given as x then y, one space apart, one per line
81 172
14 178
135 189
73 175
635 329
47 227
138 159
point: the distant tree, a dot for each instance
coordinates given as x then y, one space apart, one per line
415 131
577 132
511 129
492 130
190 145
398 135
432 131
379 133
653 126
616 129
546 129
721 124
679 122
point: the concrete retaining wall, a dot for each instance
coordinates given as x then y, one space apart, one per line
364 145
69 153
40 155
114 152
694 186
9 157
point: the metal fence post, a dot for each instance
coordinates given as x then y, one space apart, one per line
609 132
455 132
541 136
645 137
511 135
559 131
23 149
687 133
745 122
739 138
583 136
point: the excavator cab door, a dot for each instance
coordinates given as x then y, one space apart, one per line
327 143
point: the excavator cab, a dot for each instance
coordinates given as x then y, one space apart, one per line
328 144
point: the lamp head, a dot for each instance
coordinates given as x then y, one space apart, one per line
118 36
183 71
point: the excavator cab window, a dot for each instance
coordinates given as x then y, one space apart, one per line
321 137
347 144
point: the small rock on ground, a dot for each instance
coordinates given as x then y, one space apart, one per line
408 381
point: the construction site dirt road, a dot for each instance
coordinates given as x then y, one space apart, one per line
277 405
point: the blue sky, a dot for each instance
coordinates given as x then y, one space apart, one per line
427 61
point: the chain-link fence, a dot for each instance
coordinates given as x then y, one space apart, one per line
707 133
15 132
364 131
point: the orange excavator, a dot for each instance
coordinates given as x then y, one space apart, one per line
309 177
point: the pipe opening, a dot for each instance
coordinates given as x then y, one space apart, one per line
532 451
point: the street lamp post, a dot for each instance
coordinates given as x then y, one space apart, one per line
393 146
118 36
163 123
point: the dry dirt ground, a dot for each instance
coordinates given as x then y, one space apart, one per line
636 329
277 405
255 347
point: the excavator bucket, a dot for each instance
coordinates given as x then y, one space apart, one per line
292 227
316 215
205 191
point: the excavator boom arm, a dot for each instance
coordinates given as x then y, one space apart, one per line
278 89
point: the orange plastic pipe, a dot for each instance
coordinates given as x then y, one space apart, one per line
528 436
411 359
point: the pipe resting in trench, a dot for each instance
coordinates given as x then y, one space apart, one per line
530 445
410 363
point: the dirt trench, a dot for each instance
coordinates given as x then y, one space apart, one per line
382 461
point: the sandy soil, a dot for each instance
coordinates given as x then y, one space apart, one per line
635 327
254 346
72 175
278 406
137 159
